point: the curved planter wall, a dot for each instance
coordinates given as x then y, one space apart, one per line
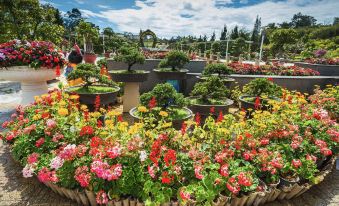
299 83
324 70
195 66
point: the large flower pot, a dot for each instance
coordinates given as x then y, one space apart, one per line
205 109
250 105
89 99
171 75
90 58
131 89
175 123
33 81
137 76
323 69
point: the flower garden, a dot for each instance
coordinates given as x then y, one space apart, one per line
131 125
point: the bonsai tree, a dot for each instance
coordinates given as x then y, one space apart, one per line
164 95
262 86
130 56
220 69
90 33
175 59
90 74
210 91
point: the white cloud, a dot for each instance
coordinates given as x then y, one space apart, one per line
89 14
103 6
169 18
80 1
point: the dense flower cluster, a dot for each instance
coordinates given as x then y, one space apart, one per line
271 70
60 141
326 61
36 54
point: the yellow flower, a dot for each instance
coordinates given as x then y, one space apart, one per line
163 114
62 103
63 112
37 117
83 107
167 124
108 122
142 109
95 114
113 113
74 96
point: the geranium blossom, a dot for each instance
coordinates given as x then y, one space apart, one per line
56 163
28 171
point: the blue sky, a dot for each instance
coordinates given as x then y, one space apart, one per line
169 18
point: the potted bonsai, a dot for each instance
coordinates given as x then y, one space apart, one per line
31 63
95 86
220 70
88 33
130 56
171 67
211 93
163 102
258 92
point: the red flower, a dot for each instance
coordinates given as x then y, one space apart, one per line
264 141
325 151
101 197
32 158
170 157
224 170
197 118
233 186
120 119
197 172
257 103
97 102
152 103
86 130
166 179
244 179
270 79
184 195
212 110
220 117
57 71
39 142
296 163
183 128
96 141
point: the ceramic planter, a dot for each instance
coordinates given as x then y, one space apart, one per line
323 69
129 77
90 58
175 123
171 75
33 81
89 99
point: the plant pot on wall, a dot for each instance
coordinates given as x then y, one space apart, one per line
205 109
168 74
90 58
246 102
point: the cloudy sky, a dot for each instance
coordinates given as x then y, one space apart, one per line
169 18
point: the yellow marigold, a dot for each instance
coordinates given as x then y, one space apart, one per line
74 96
163 114
142 109
95 114
113 113
62 103
83 107
108 122
63 112
167 124
37 117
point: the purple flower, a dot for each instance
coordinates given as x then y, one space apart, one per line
320 53
2 56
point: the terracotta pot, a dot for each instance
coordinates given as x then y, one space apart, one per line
90 58
171 75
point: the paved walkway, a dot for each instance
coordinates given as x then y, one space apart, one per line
16 190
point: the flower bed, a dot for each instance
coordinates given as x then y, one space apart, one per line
324 61
228 160
272 70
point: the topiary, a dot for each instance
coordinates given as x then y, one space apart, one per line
213 88
175 60
90 74
130 56
165 96
220 69
262 86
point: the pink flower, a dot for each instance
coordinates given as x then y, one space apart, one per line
197 172
325 151
102 197
151 171
57 137
56 163
224 170
233 186
264 141
39 142
296 163
69 152
51 123
29 129
113 152
184 195
82 176
27 171
44 175
32 158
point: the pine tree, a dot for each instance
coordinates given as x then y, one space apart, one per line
256 33
205 38
223 33
213 37
235 33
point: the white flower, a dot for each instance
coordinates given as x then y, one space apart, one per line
27 171
143 155
72 129
56 162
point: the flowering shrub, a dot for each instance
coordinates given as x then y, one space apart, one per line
36 54
271 70
327 98
326 61
63 143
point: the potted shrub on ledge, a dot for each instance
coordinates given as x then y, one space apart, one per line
163 102
220 70
32 64
258 92
171 67
96 89
130 56
89 34
210 96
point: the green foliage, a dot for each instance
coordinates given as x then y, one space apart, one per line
102 63
130 56
175 59
90 74
217 68
213 88
262 86
165 96
300 20
280 37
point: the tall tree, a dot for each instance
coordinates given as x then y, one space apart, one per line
301 20
336 20
255 36
223 35
213 37
72 19
234 33
285 25
205 38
